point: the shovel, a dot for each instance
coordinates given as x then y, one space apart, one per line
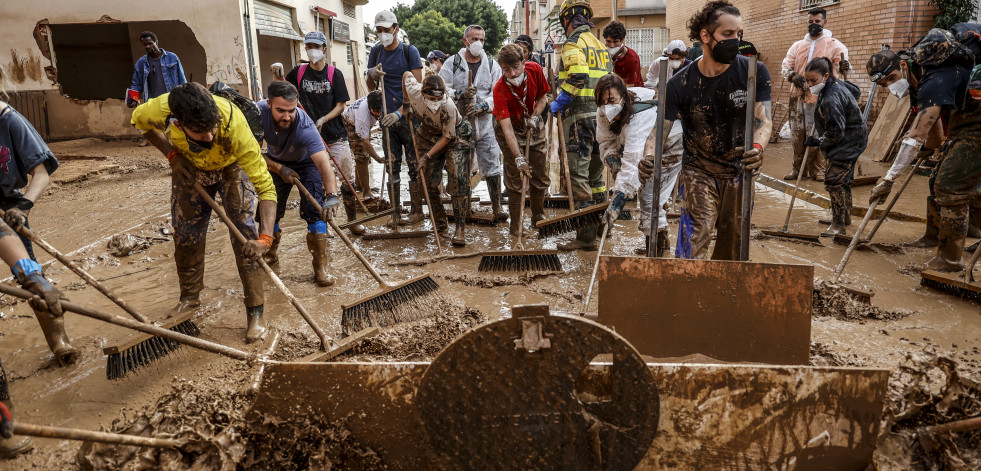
748 144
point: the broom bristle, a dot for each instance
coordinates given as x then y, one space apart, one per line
625 215
387 308
556 203
146 352
520 262
571 224
965 293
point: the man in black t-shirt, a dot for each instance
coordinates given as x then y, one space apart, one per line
937 85
323 94
709 97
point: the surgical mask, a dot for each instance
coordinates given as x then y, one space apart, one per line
315 55
613 110
725 51
517 80
815 29
614 50
816 88
434 105
386 38
197 146
674 64
432 66
476 48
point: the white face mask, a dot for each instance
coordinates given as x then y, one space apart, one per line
613 110
475 48
432 66
614 50
674 64
434 105
816 88
386 39
899 88
315 55
517 80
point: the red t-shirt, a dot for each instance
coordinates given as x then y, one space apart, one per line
628 68
506 105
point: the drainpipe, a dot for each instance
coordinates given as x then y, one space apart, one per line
247 21
527 18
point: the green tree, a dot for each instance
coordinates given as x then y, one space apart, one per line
429 30
403 12
953 11
469 12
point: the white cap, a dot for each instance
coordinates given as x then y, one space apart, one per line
678 45
385 19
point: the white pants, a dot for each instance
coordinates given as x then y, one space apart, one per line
487 151
342 152
669 178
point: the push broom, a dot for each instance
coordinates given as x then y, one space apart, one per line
519 259
577 218
963 285
383 307
783 232
138 351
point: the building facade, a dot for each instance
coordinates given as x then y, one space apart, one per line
68 64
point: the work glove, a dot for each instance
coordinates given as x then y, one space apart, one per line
522 163
478 108
812 141
646 169
327 209
799 81
844 66
132 103
46 298
16 217
390 119
613 161
536 124
182 167
751 159
277 70
321 122
254 249
466 94
6 422
613 210
880 192
376 73
288 175
560 102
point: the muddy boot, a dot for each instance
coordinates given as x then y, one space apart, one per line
460 206
415 210
537 205
663 244
585 238
256 327
272 256
974 228
931 237
351 212
395 197
439 212
642 251
514 208
16 444
190 275
494 192
792 175
317 245
53 328
837 223
976 222
953 230
362 178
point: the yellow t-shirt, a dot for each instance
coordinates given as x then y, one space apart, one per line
233 143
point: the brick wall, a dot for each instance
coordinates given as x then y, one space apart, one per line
862 25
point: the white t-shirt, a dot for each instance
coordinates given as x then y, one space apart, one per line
359 115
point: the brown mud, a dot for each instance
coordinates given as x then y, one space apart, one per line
104 189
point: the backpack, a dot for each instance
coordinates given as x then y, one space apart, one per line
330 73
245 105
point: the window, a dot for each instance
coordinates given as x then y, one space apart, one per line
808 4
349 10
350 53
648 42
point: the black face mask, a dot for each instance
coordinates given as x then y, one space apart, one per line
815 29
725 51
196 146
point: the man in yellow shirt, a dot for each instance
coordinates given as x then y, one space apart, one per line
207 140
584 61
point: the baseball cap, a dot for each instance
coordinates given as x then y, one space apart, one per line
677 47
882 63
315 37
385 19
437 54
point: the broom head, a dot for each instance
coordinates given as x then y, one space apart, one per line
143 349
388 306
953 283
574 221
520 260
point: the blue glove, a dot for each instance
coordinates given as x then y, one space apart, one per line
613 211
561 102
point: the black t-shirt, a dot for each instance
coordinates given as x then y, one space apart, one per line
318 96
474 67
941 86
713 113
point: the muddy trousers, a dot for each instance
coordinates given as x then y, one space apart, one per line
800 125
709 203
311 179
362 161
537 184
838 182
669 178
401 143
190 215
585 167
455 159
957 189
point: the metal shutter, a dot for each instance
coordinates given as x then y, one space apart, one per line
275 20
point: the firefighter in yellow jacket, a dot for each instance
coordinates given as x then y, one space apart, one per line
584 60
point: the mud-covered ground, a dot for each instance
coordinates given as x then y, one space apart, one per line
118 192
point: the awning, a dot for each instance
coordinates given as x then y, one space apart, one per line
275 20
323 11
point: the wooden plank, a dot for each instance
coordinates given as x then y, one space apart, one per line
887 127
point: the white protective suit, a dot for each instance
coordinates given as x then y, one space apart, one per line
632 139
455 72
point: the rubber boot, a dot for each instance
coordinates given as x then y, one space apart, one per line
362 178
16 444
460 206
256 327
272 256
837 224
439 211
317 245
415 210
537 205
931 237
663 244
351 212
53 328
953 231
514 208
494 191
586 237
190 275
396 199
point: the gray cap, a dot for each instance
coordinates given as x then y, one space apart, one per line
676 47
385 19
315 37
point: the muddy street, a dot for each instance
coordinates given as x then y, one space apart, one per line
107 189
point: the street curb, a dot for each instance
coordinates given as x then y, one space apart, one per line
824 202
